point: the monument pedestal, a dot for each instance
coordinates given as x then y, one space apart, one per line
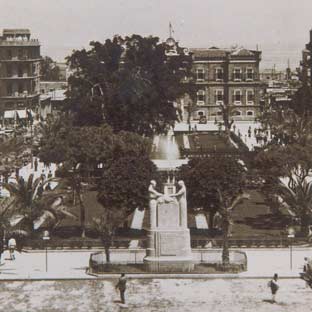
169 248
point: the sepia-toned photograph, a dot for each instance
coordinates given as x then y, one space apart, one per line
155 155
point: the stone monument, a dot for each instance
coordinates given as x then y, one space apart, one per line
169 244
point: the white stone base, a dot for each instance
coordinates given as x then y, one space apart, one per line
169 264
169 251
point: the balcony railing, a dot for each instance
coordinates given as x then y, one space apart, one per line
21 59
20 77
17 43
19 95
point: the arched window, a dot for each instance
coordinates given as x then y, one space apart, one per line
250 113
237 113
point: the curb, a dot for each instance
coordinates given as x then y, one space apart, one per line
93 277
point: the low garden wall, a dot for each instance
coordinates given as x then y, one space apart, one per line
124 243
212 257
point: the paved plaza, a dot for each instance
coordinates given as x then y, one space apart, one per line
73 264
165 295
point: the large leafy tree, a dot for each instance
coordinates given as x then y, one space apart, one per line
82 149
121 190
216 184
129 82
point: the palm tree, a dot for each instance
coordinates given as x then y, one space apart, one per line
297 198
30 206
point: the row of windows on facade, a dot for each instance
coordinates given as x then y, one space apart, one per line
238 74
21 89
22 54
249 113
237 96
22 70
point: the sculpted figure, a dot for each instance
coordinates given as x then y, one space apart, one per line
154 196
181 197
181 194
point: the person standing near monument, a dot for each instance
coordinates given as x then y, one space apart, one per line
121 286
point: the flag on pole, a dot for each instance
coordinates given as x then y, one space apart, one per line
171 31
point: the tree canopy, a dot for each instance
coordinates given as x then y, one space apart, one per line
284 163
216 184
90 146
204 177
129 82
124 184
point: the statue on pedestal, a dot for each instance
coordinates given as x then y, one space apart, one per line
168 247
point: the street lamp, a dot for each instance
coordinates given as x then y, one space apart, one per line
291 235
46 237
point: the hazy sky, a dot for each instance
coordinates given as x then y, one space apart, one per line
279 27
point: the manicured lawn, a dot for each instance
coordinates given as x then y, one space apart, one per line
253 218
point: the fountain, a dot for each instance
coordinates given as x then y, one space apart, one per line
166 154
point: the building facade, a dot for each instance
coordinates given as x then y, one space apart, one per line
306 63
19 70
224 77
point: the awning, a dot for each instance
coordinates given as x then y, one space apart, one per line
12 114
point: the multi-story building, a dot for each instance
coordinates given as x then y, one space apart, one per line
224 77
306 63
19 70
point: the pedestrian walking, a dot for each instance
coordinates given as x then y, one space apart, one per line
43 176
12 246
121 286
273 284
36 164
17 173
1 248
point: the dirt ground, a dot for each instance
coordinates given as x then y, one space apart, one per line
155 295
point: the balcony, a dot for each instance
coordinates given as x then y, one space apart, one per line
22 59
16 77
20 43
20 96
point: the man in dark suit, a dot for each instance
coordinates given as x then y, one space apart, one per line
121 285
